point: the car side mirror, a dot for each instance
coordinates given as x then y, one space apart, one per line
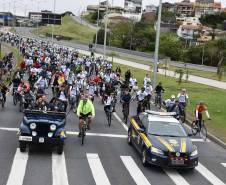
141 130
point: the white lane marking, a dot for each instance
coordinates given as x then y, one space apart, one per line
97 169
120 121
101 134
134 170
18 168
209 175
9 129
224 164
176 177
199 140
59 170
98 134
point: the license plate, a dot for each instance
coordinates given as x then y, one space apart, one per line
25 138
41 140
177 162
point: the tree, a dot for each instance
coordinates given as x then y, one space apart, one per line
221 54
170 46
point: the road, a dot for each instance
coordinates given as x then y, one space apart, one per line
105 159
121 52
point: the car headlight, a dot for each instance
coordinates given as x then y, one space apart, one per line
156 151
52 127
33 126
194 153
34 133
50 134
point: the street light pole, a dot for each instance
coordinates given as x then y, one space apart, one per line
54 9
157 44
98 17
105 31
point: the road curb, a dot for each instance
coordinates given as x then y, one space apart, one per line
210 136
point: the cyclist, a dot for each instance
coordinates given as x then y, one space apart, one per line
4 90
200 108
141 95
85 109
108 103
176 108
183 98
159 90
125 100
169 103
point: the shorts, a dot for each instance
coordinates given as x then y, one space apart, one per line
83 116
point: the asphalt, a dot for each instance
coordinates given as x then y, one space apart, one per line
83 49
24 31
99 161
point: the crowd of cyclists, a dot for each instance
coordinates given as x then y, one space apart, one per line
56 78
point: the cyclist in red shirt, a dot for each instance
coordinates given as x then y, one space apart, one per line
200 108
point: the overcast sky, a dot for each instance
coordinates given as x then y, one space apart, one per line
76 6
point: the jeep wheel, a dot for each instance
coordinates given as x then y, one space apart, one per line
129 137
60 149
22 146
144 158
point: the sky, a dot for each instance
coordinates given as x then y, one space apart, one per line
22 7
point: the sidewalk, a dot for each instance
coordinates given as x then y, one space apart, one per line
192 78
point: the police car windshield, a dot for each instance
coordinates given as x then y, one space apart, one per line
166 129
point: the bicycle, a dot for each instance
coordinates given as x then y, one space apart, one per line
158 100
195 129
83 129
109 115
125 112
15 97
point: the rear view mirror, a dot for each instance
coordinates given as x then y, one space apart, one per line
141 130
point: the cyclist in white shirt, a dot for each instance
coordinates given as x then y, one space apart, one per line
147 79
183 97
132 81
141 95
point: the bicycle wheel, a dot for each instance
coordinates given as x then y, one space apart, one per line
82 135
109 119
14 99
194 128
203 131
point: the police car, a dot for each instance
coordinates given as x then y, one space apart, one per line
161 140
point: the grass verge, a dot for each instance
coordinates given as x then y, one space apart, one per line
70 28
205 74
215 99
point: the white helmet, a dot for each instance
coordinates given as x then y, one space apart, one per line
173 97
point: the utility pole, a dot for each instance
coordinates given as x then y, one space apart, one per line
98 17
105 30
157 44
54 10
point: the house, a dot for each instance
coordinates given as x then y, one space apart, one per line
168 24
190 28
168 7
206 7
6 18
185 8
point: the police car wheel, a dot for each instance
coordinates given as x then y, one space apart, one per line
129 137
144 158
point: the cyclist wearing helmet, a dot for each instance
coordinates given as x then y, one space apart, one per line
200 108
141 95
169 103
85 109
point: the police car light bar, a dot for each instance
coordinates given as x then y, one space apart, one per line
161 113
